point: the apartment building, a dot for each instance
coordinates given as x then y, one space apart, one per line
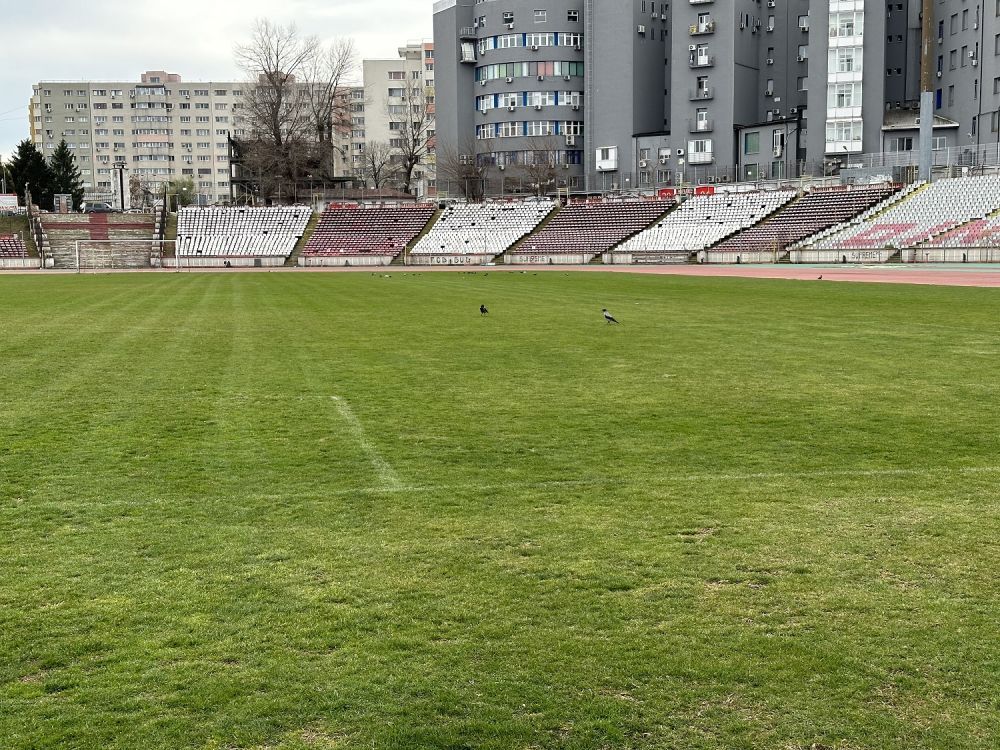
707 91
510 86
158 129
395 106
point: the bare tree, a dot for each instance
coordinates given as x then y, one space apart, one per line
465 171
541 164
292 105
326 73
412 127
378 163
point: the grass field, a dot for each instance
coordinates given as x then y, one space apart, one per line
294 511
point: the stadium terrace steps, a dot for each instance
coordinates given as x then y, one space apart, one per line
12 246
582 231
936 209
875 210
978 233
697 224
469 233
240 232
300 246
61 232
803 217
356 234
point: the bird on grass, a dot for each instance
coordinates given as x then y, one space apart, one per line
609 317
483 310
820 277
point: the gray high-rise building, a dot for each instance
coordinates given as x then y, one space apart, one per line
701 91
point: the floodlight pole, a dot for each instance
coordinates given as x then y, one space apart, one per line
926 90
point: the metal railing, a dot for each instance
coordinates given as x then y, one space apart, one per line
981 155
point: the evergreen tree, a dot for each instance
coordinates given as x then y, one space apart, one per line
28 167
66 178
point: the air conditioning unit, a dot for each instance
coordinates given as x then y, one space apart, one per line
501 167
640 29
534 48
643 163
692 47
769 92
680 152
771 3
510 26
510 80
482 83
975 63
664 160
538 107
541 78
576 107
565 166
939 74
770 28
800 58
793 111
769 61
511 108
570 140
567 78
777 151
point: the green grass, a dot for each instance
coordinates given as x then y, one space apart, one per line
759 514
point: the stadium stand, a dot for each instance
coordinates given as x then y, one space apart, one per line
924 214
478 232
60 233
698 223
802 218
12 246
581 231
242 235
364 235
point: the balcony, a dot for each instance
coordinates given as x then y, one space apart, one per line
467 32
701 126
697 29
700 157
701 61
701 95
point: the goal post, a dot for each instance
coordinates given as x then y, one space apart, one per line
121 254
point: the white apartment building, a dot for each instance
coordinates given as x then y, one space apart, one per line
390 88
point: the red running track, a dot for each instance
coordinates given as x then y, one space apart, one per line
971 276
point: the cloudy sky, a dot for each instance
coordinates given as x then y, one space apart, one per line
119 39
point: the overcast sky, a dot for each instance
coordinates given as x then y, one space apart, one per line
119 39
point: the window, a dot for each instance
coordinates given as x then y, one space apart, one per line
751 143
573 16
900 144
541 16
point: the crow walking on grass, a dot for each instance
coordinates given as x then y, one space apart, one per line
609 317
483 310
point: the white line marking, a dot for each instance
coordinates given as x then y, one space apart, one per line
398 487
387 475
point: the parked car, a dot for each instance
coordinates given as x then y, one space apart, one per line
98 207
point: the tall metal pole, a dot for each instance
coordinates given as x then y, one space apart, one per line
928 35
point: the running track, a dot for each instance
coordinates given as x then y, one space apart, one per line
938 275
